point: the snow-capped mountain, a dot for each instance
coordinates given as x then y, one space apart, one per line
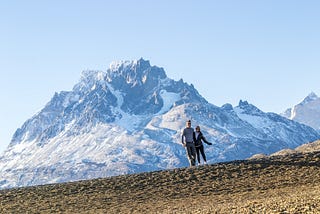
128 119
306 112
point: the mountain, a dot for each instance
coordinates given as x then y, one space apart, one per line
306 112
128 119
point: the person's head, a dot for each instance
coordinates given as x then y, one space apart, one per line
189 123
197 128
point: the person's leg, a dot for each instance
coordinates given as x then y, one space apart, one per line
193 154
201 148
198 154
190 154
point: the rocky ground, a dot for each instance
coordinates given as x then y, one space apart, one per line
277 184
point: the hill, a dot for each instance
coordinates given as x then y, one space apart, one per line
276 184
304 148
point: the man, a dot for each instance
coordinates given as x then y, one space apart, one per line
188 143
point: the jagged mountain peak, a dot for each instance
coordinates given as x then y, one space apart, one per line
248 108
243 104
311 97
135 72
117 65
122 73
306 112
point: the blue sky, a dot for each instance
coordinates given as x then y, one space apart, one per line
265 52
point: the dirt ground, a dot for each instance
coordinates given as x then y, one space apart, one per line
279 184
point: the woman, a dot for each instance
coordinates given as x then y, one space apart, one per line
198 137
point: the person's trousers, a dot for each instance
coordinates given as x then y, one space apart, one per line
200 149
191 152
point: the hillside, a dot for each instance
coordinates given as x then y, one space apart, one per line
277 184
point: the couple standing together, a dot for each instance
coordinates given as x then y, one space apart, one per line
192 141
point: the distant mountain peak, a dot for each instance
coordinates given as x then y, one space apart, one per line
311 97
134 72
248 108
243 104
118 64
306 112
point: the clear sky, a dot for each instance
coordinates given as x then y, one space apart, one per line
264 51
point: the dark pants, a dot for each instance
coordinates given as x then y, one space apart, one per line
191 152
201 149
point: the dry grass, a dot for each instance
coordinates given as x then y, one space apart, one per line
279 184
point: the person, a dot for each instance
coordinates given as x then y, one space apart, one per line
198 138
187 141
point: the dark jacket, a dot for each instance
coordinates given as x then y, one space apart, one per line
199 139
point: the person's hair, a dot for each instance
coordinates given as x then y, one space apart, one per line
197 127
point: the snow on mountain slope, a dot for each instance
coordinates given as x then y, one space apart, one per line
306 112
129 119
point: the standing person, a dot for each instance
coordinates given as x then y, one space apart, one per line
188 143
199 145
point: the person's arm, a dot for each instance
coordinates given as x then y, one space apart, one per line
205 140
182 137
